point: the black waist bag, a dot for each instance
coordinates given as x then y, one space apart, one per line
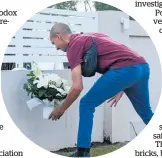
89 64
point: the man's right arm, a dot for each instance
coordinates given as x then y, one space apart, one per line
75 90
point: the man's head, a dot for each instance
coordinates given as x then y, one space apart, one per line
59 35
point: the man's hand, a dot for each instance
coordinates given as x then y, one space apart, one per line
115 99
74 92
56 114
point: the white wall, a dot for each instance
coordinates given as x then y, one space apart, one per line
51 135
117 120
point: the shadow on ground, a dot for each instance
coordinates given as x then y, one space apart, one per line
97 149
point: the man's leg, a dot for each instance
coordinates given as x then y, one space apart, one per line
108 85
139 96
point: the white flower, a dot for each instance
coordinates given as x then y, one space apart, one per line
61 91
53 77
35 81
56 79
42 82
46 77
52 86
58 95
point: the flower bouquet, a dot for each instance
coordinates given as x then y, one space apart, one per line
47 89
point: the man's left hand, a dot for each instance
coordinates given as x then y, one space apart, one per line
56 114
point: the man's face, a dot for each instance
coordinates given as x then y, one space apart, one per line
59 42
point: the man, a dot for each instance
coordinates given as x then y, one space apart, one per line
124 71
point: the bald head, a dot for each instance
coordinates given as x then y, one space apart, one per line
60 28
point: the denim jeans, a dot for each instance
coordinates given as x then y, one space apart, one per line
133 80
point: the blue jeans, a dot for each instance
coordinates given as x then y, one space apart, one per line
133 80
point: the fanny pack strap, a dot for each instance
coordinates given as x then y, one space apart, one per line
93 40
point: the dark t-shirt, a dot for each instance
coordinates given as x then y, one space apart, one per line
111 54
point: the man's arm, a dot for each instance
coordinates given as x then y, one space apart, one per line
77 87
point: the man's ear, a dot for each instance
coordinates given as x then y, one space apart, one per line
58 36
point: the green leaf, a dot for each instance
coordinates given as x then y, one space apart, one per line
25 86
50 98
99 6
52 91
37 72
30 81
70 5
46 95
31 73
41 93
